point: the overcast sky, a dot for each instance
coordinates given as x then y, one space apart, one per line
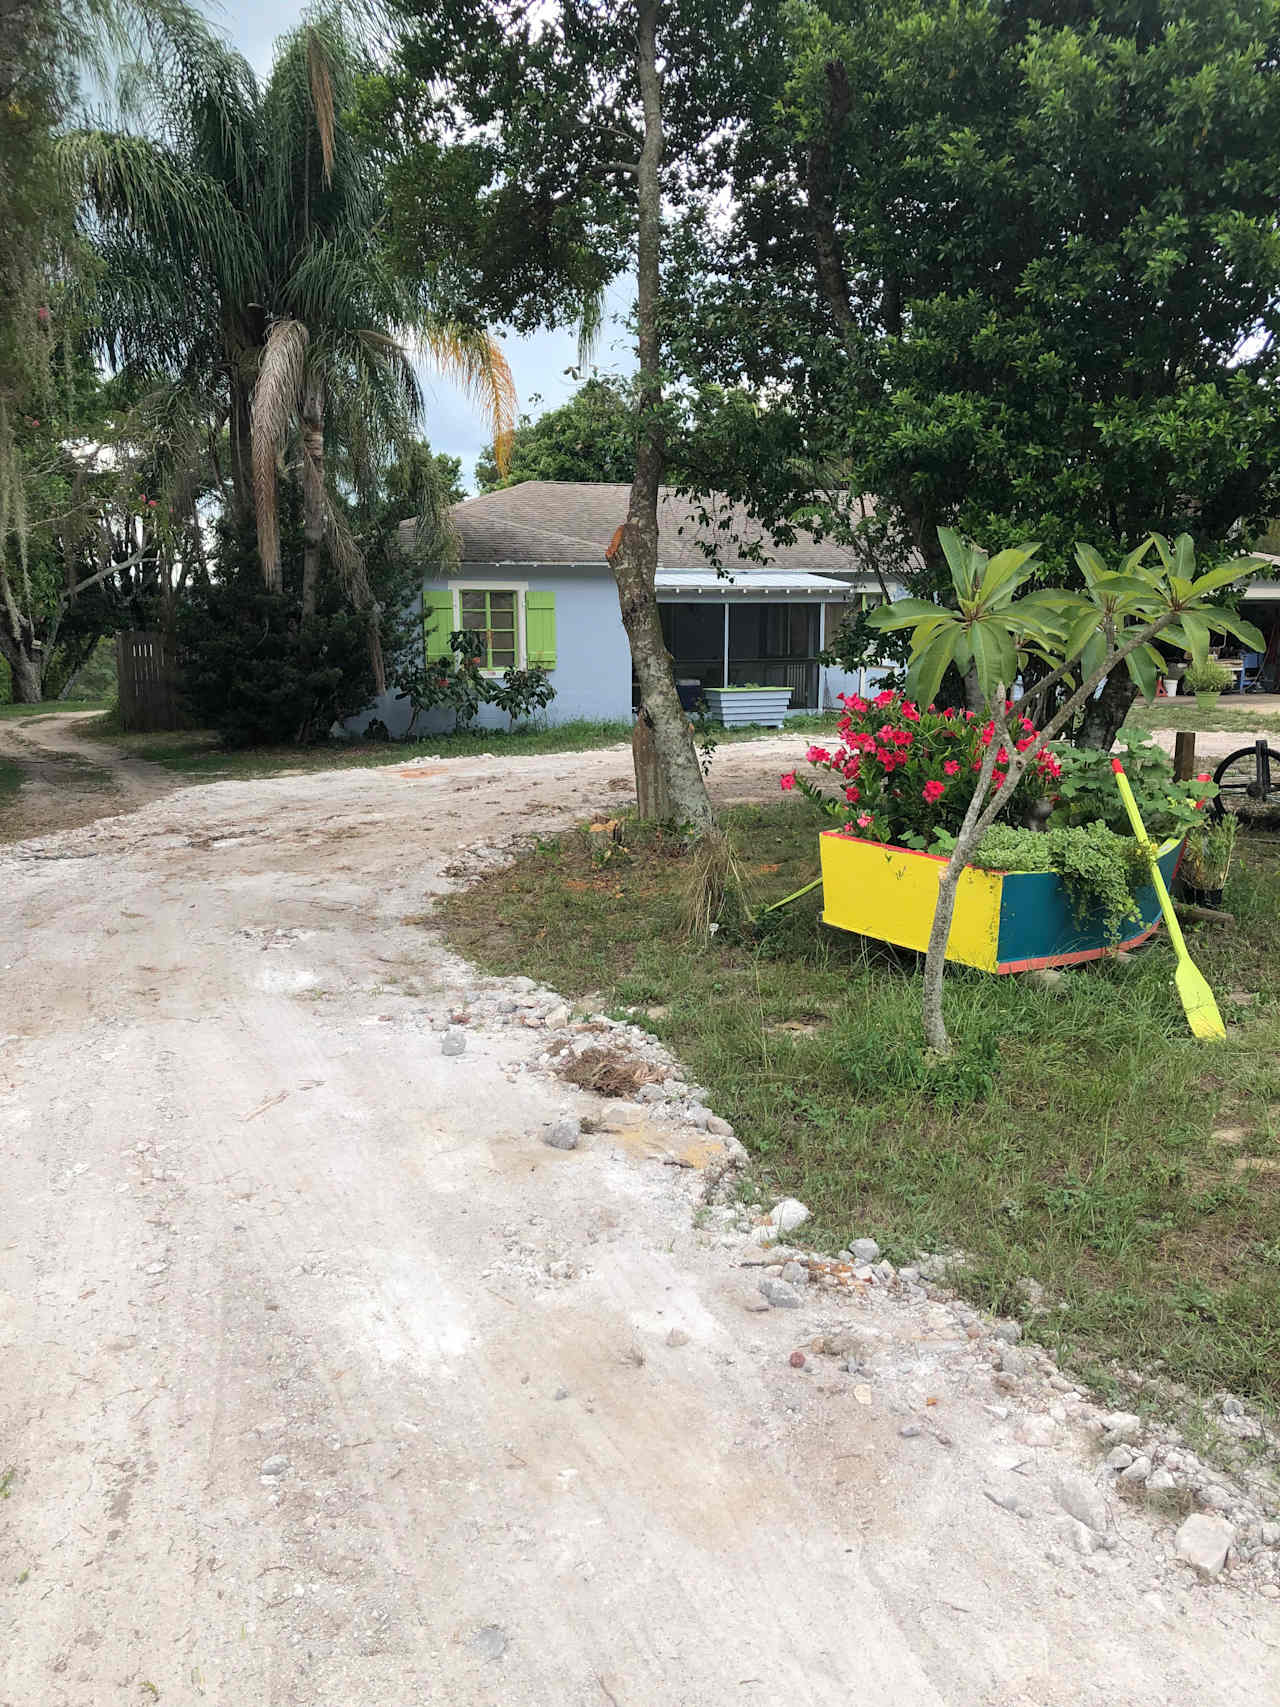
538 363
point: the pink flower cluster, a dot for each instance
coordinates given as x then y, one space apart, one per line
903 767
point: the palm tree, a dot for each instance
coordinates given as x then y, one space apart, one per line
237 229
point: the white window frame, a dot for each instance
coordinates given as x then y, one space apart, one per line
519 588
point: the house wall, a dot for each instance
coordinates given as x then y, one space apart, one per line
592 677
866 681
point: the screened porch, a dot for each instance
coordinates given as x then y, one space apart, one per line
763 628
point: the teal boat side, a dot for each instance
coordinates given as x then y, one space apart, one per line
1038 926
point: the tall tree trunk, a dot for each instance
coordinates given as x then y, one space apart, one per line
26 676
19 648
312 492
633 552
1104 717
240 435
818 191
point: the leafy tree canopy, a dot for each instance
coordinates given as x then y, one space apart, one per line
591 437
1017 267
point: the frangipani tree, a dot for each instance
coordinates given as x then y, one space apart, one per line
1080 637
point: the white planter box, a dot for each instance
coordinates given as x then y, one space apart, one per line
735 707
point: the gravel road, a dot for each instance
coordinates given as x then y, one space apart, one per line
328 1384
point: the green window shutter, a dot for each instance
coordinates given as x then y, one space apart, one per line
540 628
437 622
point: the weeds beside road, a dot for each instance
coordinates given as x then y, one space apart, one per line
1082 1137
198 754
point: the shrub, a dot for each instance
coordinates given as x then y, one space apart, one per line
1086 793
459 684
252 669
1209 677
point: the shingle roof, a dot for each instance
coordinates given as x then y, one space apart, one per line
553 521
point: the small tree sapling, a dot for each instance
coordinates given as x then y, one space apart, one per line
989 633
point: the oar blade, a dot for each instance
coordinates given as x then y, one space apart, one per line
1197 1001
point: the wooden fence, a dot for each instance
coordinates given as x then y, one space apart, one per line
147 678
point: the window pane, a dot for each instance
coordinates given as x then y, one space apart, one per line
502 608
473 610
502 651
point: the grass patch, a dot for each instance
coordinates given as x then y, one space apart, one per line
197 753
48 707
10 781
1072 1139
1235 716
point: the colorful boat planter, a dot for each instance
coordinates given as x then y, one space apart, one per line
1005 921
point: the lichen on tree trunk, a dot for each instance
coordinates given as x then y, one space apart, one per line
652 801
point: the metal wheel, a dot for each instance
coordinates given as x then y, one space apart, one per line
1248 783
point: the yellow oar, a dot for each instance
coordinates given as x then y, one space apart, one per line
1196 996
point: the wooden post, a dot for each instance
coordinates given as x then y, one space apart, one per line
1184 756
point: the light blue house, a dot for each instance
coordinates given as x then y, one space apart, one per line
531 576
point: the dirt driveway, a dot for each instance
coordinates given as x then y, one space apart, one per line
327 1383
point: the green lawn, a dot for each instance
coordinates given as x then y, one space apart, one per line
10 781
197 753
1073 1139
1229 715
48 706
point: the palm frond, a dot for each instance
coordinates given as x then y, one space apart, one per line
320 77
133 184
473 360
273 410
348 560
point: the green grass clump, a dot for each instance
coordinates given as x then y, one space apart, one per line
1071 1138
48 707
197 753
1235 715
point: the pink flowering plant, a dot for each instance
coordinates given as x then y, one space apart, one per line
905 776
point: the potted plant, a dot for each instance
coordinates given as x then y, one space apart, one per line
1207 681
1206 860
1074 890
1173 674
748 702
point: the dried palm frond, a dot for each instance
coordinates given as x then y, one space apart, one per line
473 359
274 409
320 77
589 326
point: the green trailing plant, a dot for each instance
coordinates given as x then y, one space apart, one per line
1208 677
1101 870
1102 873
1086 790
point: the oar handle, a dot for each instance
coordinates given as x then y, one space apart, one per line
1157 876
